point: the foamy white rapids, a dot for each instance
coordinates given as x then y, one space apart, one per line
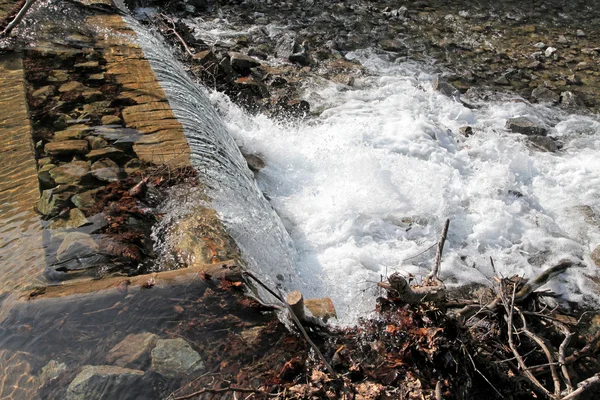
367 186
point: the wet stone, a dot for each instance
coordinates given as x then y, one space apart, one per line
543 143
525 126
66 147
74 219
172 357
96 142
76 244
596 256
70 173
51 203
105 152
106 170
103 381
133 166
98 108
51 371
393 45
242 63
133 350
44 176
545 95
85 199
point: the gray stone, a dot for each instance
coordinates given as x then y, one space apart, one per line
85 199
570 99
51 202
51 371
255 162
76 244
525 126
544 95
133 350
596 256
550 51
75 219
466 131
103 382
106 170
242 63
445 88
70 173
580 33
544 143
172 357
393 45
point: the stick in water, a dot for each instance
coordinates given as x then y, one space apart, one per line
433 276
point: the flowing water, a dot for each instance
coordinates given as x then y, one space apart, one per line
365 187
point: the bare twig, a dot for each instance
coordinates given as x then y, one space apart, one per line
549 354
224 390
172 29
18 18
297 322
583 386
433 275
479 372
509 319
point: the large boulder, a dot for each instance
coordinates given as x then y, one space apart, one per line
172 357
525 126
104 382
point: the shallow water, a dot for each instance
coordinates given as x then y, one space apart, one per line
365 187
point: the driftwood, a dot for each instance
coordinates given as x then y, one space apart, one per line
399 288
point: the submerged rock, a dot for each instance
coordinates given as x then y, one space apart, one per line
525 126
104 382
543 143
133 350
51 371
172 357
76 244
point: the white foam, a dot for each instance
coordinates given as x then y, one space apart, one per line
348 185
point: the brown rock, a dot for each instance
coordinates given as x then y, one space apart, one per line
73 86
44 92
51 202
75 219
105 152
133 350
66 147
73 132
85 199
111 120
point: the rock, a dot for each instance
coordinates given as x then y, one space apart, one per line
550 51
51 371
596 256
393 45
58 75
544 95
525 126
242 63
300 55
17 381
73 86
543 143
571 99
97 77
96 142
580 33
97 108
106 170
133 351
85 199
574 79
466 131
44 176
73 132
321 308
44 92
70 173
132 166
111 120
172 357
445 88
75 219
76 244
251 335
51 202
88 65
103 382
66 148
255 162
502 80
105 152
562 39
